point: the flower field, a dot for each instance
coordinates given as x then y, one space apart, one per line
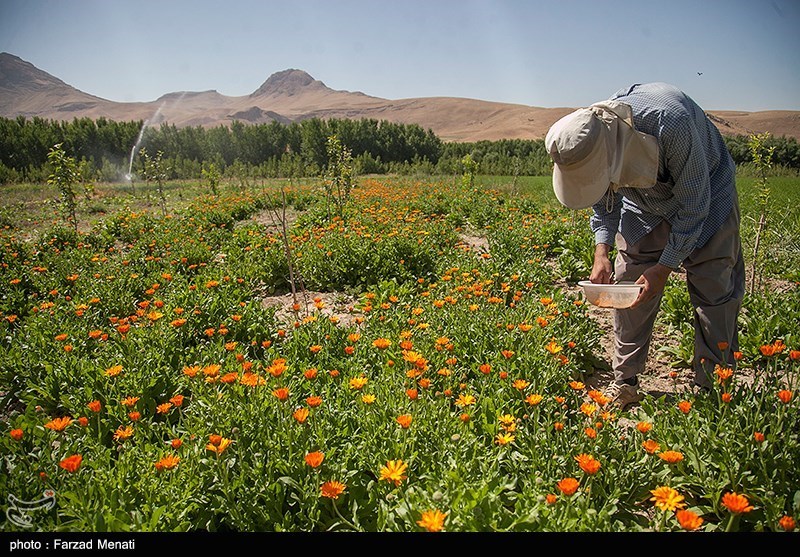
432 372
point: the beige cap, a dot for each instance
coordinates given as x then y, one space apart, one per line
578 145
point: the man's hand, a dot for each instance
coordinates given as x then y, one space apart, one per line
601 268
654 279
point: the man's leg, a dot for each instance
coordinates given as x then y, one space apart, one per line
633 328
715 275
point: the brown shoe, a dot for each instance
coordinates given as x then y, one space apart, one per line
623 395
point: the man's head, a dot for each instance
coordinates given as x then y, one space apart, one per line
596 148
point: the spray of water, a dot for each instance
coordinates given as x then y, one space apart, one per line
129 175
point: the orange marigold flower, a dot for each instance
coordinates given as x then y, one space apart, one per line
588 463
95 406
598 397
72 463
485 369
667 498
178 322
16 434
413 394
61 338
758 436
688 520
314 459
651 446
220 446
251 380
432 520
736 503
167 462
785 396
568 486
576 385
558 426
671 457
685 406
229 378
520 384
332 489
310 373
534 399
123 433
211 370
134 416
794 355
314 349
58 424
95 334
176 443
314 401
464 417
177 400
404 420
129 401
726 397
554 348
644 427
163 408
551 498
590 432
300 415
113 371
281 393
723 373
191 371
507 354
787 523
394 471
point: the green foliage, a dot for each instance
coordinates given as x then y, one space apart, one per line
338 180
65 175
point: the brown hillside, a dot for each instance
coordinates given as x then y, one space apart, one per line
293 95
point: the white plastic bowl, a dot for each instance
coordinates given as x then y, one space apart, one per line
618 296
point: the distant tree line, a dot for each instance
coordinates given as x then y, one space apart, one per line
107 150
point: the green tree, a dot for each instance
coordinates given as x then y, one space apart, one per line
65 175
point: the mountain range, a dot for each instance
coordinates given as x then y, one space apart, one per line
293 95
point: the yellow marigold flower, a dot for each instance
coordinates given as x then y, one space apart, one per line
357 383
688 520
221 444
588 463
394 471
504 438
667 498
588 409
432 521
368 399
167 463
576 385
671 457
123 433
332 489
507 420
554 348
520 384
465 399
736 503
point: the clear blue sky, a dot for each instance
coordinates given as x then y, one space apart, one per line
566 53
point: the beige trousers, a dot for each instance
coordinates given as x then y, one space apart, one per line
715 280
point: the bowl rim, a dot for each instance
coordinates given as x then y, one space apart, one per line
610 286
